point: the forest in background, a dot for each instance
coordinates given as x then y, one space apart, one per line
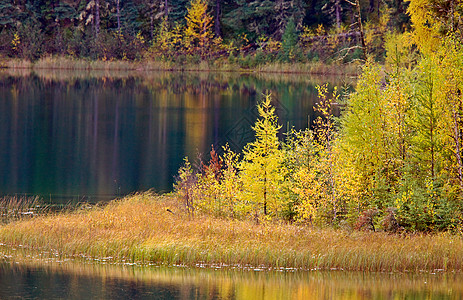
247 32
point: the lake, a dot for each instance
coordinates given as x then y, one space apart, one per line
95 136
68 280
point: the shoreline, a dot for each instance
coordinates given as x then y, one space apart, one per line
147 228
71 64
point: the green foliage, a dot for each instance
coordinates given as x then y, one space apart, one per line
392 162
289 41
404 135
109 30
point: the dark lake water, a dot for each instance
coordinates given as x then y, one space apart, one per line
92 136
90 281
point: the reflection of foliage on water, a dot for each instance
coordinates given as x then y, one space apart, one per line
114 132
113 281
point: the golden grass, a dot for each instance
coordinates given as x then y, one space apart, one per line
140 229
14 208
16 64
312 68
69 63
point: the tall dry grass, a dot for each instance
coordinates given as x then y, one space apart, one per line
16 64
140 229
14 208
317 68
69 63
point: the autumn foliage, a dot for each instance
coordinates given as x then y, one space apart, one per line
393 161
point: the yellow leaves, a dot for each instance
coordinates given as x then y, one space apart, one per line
308 188
198 28
16 42
168 41
432 21
262 171
268 44
193 39
139 40
320 30
400 51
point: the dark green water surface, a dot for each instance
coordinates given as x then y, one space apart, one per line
90 281
92 136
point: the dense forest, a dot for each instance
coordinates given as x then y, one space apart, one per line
179 30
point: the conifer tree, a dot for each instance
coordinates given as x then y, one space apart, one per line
262 170
289 40
198 27
424 118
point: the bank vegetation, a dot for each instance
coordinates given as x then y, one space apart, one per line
151 229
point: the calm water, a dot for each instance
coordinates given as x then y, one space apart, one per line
87 281
95 136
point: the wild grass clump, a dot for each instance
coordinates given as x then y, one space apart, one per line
351 69
13 208
69 63
147 228
17 64
148 64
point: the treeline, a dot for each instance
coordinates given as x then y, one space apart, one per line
392 161
180 30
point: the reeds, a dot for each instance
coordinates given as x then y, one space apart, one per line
317 68
14 208
146 228
70 63
66 63
16 64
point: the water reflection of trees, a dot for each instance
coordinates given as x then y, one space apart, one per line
100 133
105 281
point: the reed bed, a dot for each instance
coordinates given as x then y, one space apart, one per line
69 63
147 228
16 64
317 68
14 208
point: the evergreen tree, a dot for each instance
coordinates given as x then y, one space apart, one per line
289 41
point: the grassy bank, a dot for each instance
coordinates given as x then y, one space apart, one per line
65 63
147 228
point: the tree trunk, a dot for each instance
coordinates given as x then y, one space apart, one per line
118 16
362 36
217 18
97 18
457 140
166 10
338 13
265 193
